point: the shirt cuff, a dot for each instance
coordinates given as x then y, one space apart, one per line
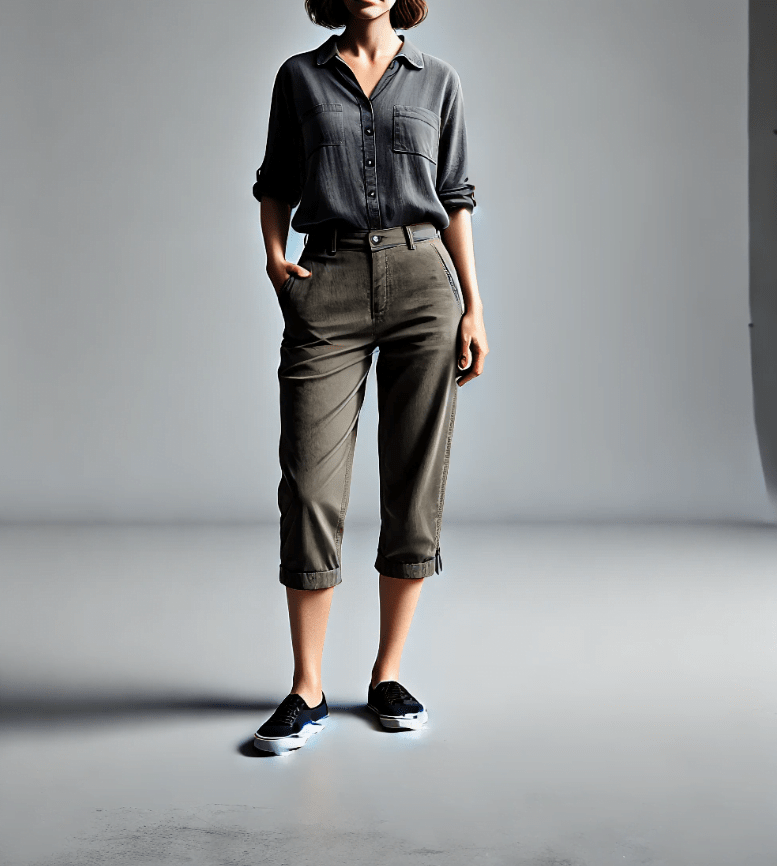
265 187
455 199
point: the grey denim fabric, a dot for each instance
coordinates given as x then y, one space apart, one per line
395 292
396 158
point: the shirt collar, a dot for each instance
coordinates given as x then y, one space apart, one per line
328 50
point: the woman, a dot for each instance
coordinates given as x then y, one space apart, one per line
367 135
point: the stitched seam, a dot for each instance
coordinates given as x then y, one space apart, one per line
346 490
446 461
447 272
314 573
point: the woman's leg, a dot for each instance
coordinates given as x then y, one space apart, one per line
326 355
308 617
398 599
417 395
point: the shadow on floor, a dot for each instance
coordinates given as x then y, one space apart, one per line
65 709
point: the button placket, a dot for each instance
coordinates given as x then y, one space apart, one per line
368 136
371 172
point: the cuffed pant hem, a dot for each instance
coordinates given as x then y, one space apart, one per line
411 570
310 579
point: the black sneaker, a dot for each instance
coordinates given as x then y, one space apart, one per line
290 726
395 706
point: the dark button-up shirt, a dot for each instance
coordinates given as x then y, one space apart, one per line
397 157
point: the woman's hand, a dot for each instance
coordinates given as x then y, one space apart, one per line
473 346
280 271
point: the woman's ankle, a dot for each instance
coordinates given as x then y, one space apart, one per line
312 695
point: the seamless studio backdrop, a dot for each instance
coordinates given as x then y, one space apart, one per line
619 171
139 332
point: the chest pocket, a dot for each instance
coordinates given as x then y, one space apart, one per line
322 126
416 130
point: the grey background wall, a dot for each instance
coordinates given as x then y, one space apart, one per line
139 332
762 128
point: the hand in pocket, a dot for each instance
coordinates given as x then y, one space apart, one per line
282 273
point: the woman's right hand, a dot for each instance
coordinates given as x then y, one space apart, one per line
279 272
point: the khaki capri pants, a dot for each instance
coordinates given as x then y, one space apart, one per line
394 291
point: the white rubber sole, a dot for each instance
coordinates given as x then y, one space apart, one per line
412 723
284 745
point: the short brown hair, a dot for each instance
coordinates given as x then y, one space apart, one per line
404 14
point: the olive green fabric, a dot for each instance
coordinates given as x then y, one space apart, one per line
397 293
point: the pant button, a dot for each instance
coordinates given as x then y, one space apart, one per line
375 239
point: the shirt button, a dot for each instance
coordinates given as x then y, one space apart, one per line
368 131
375 239
372 193
369 162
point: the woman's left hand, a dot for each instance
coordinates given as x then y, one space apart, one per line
473 345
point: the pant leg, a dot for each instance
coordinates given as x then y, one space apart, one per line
326 355
418 312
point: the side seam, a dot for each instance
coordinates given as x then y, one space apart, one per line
447 271
346 490
446 463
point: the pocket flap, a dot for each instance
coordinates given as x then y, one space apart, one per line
322 125
416 130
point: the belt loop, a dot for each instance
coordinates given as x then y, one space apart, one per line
333 242
409 236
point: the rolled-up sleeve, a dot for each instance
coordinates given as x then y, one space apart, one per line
453 186
279 175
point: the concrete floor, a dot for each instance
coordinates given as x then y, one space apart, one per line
597 695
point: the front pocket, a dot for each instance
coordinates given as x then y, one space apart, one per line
285 285
322 126
416 130
445 267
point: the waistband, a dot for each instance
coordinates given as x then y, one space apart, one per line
332 239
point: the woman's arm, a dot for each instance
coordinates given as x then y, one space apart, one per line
278 184
473 346
458 241
458 197
276 218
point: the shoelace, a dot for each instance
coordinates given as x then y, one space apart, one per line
396 693
289 709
